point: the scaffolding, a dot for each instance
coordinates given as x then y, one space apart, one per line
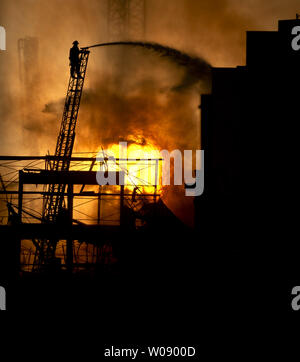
94 216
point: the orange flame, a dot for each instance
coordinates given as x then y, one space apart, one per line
143 167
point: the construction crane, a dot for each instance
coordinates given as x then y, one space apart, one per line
54 201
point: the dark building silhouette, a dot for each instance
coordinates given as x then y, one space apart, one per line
250 136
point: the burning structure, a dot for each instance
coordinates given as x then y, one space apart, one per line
57 222
57 215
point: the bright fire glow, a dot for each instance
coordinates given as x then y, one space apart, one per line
143 168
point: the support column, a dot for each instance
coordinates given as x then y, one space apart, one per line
122 205
156 179
18 240
99 205
69 252
20 196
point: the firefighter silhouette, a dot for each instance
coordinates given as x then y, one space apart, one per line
74 60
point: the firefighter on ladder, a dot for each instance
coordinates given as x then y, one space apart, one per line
75 60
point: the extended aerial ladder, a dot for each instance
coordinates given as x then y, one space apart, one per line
54 201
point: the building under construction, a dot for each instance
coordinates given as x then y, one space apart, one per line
48 229
58 225
62 184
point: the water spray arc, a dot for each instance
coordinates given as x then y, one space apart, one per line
196 67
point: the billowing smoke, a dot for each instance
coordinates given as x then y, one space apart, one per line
152 106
